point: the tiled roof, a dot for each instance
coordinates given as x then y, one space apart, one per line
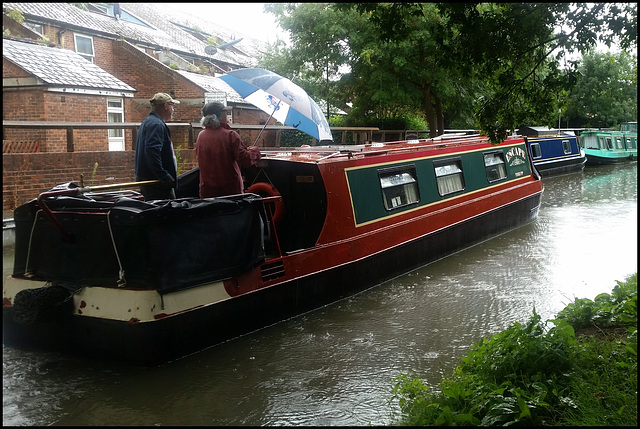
160 33
164 18
212 84
60 67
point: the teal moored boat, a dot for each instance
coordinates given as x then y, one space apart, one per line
611 147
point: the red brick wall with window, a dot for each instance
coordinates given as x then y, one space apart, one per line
39 105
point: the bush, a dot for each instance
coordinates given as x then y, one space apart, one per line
530 375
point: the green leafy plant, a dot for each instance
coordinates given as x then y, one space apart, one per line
93 173
292 138
534 375
81 6
15 15
181 163
606 310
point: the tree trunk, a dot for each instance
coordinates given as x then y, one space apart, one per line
428 110
440 116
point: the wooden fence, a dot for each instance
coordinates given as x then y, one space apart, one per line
358 134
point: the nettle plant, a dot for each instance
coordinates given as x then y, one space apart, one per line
617 309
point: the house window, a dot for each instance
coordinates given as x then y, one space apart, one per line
399 186
566 145
449 176
115 114
35 27
535 150
494 166
113 10
84 46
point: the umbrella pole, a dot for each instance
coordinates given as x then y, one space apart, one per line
265 124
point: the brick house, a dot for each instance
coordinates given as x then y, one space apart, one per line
65 64
49 84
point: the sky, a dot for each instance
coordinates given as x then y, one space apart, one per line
246 18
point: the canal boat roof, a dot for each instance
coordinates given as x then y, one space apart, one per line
333 153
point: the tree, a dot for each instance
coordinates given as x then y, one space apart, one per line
517 49
382 79
512 49
506 61
606 92
318 37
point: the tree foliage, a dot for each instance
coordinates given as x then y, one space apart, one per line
503 65
606 93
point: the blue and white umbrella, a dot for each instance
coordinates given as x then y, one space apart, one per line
282 99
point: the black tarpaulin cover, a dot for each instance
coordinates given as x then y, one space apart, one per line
165 245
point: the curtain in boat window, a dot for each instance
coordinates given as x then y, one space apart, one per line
449 177
494 165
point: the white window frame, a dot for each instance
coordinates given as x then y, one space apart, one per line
89 56
116 136
399 186
449 176
494 166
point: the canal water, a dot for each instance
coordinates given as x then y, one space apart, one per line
336 365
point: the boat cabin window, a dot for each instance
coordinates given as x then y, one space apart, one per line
566 145
619 143
495 167
609 143
631 143
399 186
535 150
590 142
449 176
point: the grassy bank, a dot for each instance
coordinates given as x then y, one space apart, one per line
579 369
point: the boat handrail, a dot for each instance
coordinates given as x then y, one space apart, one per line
374 148
330 155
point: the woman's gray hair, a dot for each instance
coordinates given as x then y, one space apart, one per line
210 120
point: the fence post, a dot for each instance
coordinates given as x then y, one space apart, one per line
69 139
134 138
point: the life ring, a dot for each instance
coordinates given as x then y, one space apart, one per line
268 190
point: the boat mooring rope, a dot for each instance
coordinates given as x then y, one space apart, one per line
33 228
122 282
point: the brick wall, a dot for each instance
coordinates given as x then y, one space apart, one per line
39 105
24 176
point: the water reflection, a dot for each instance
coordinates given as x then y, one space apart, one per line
335 366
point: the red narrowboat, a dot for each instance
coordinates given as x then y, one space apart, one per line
111 275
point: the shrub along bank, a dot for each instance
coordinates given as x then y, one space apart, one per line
580 371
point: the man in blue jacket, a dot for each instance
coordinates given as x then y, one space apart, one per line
155 158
